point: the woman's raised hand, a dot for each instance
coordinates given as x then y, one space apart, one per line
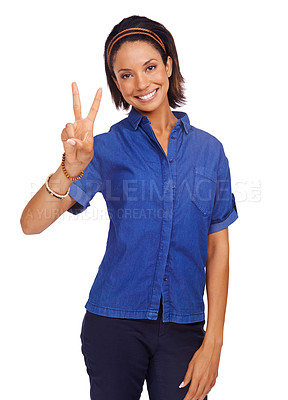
78 138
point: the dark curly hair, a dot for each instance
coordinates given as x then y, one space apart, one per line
176 96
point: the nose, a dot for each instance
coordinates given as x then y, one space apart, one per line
141 81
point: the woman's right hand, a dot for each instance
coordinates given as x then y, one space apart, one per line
78 137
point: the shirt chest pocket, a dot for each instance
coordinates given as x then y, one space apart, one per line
204 189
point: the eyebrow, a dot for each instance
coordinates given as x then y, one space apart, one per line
146 62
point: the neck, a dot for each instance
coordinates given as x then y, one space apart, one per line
162 119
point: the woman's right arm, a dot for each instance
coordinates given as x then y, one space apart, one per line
44 209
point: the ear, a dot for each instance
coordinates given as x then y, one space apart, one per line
169 66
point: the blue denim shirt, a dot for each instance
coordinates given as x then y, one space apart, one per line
161 210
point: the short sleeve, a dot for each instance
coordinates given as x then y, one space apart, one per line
224 210
85 189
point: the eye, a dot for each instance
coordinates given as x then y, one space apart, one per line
125 76
151 67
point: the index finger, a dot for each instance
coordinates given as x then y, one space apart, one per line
95 106
76 101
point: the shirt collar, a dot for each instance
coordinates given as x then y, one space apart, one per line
135 118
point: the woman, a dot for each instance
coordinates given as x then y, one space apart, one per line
168 192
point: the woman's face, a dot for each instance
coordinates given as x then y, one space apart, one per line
140 71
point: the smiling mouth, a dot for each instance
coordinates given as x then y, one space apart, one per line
147 96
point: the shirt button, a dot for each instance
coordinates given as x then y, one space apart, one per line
173 137
165 279
173 186
171 160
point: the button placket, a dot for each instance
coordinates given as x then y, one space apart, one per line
172 151
168 179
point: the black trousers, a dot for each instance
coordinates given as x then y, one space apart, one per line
120 354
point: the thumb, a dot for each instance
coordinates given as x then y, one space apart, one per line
186 379
79 144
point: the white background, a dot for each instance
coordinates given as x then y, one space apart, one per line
233 56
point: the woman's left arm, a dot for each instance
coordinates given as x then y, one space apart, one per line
203 368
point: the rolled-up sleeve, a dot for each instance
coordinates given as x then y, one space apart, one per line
85 189
224 210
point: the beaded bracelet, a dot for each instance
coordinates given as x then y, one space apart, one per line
52 193
76 178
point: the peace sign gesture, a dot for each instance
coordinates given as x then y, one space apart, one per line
78 137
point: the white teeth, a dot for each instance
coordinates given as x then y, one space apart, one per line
148 95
